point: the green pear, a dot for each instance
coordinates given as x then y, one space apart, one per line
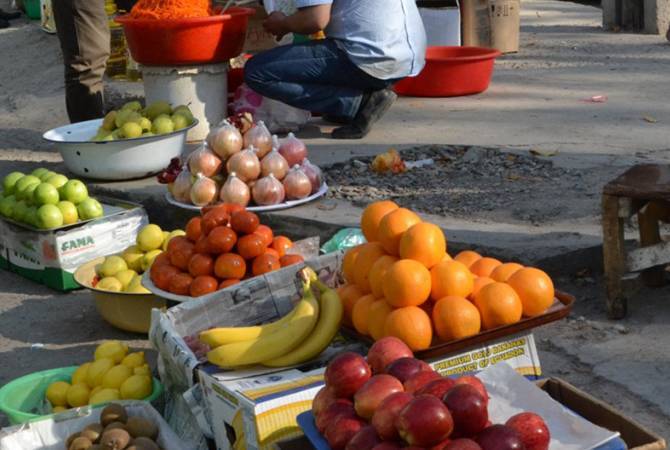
145 124
109 122
180 121
133 106
131 130
162 125
157 108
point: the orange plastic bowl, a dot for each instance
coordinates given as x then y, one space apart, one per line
451 72
213 39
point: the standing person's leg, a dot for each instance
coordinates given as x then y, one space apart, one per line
84 38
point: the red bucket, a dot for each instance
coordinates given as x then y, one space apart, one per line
451 72
174 42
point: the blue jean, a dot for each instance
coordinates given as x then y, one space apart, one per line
316 76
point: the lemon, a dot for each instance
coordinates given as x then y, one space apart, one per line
77 395
104 395
166 237
79 375
114 350
136 387
95 390
170 235
137 289
57 393
112 265
150 238
133 258
98 370
125 277
133 360
115 376
148 259
110 284
142 370
58 409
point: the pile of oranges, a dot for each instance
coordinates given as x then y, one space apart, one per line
403 283
225 245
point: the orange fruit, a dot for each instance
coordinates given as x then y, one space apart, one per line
468 257
504 271
484 266
372 216
423 242
535 289
393 225
411 325
455 318
479 283
349 263
406 283
367 256
359 315
377 314
498 305
349 295
447 257
450 278
376 276
265 263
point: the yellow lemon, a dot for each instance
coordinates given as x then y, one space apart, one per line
150 238
77 395
137 289
170 235
148 259
112 265
133 360
110 284
57 393
142 370
95 390
166 236
133 257
98 370
125 277
79 375
114 350
136 387
115 376
58 409
104 395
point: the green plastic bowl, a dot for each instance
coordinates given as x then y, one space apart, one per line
21 396
33 9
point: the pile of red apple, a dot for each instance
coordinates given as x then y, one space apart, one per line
394 401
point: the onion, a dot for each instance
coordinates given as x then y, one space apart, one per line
181 188
235 191
293 150
297 184
260 138
268 191
225 140
203 191
204 161
275 164
245 164
314 174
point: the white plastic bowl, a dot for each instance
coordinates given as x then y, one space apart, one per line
115 160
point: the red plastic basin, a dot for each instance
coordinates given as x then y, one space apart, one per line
450 72
206 40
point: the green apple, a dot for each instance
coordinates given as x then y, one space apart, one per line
31 217
56 180
24 182
49 216
162 125
180 121
69 211
9 182
131 130
27 193
74 191
19 212
157 108
90 209
39 172
7 206
45 194
46 175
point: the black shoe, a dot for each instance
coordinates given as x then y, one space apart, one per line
9 16
372 109
340 120
4 23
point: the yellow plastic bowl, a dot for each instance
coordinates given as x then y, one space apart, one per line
129 312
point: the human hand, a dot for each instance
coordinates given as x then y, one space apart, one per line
275 24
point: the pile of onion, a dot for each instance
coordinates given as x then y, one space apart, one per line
225 140
204 161
259 137
314 174
293 150
268 191
203 191
235 191
297 184
245 164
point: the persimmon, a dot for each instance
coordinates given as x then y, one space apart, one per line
203 285
221 240
266 233
264 263
180 284
250 246
181 255
194 229
271 251
215 218
281 244
230 265
162 275
201 265
177 242
289 260
244 222
229 282
162 259
201 245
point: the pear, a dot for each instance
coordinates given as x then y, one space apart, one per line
145 124
180 121
131 130
162 125
157 108
133 106
108 122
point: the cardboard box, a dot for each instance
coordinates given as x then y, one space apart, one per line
491 23
442 24
51 257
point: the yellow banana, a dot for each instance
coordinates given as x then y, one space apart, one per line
330 315
216 337
272 345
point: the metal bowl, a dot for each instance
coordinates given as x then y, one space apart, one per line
115 160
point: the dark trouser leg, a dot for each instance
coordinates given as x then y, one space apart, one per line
84 38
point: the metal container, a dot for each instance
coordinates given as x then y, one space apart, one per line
124 159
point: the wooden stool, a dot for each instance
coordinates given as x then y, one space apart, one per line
643 190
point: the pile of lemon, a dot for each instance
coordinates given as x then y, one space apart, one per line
114 374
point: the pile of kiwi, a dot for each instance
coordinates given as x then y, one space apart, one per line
116 431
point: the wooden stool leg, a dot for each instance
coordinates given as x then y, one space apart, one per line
613 255
648 219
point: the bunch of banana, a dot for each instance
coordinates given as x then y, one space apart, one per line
295 338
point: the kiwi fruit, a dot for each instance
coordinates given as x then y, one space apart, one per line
115 425
115 439
92 432
143 443
71 438
81 443
141 427
113 413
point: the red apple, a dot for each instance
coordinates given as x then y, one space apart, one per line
499 437
405 368
437 387
476 383
373 392
388 446
533 430
365 439
342 430
462 444
340 407
419 380
384 418
385 351
468 409
346 373
322 400
425 421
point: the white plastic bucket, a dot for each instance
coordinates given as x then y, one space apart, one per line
204 89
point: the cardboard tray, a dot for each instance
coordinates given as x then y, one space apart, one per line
559 310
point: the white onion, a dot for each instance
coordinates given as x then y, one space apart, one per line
235 191
275 164
225 140
293 150
297 184
203 191
268 191
245 164
181 188
204 161
260 138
